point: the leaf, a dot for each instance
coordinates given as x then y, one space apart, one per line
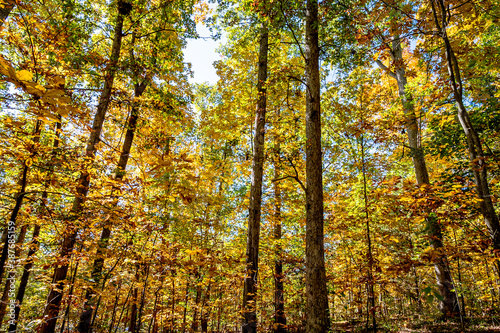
24 75
35 89
6 68
52 93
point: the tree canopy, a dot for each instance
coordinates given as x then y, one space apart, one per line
342 174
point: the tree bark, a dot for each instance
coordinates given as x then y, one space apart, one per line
249 324
71 230
449 304
318 320
476 155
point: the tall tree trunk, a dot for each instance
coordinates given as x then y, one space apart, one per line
370 306
279 298
70 233
449 303
186 300
84 325
5 10
205 309
194 324
249 324
476 154
318 319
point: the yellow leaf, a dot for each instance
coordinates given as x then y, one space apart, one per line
24 75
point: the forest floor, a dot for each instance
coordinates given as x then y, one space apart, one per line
423 327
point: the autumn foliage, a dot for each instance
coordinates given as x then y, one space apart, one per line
131 197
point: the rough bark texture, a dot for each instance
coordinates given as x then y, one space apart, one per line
249 323
476 154
84 326
6 9
318 320
70 233
449 304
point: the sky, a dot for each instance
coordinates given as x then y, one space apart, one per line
201 54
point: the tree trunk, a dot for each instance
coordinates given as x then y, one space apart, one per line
133 304
84 325
318 320
370 306
194 324
186 300
70 233
476 154
279 299
449 304
205 309
249 324
143 298
70 294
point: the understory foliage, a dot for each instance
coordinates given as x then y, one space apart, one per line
177 212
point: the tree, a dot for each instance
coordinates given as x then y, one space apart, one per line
476 154
449 302
254 209
316 292
55 296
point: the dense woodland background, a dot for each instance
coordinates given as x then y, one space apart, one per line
137 197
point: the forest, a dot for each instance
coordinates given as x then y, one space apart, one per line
342 175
